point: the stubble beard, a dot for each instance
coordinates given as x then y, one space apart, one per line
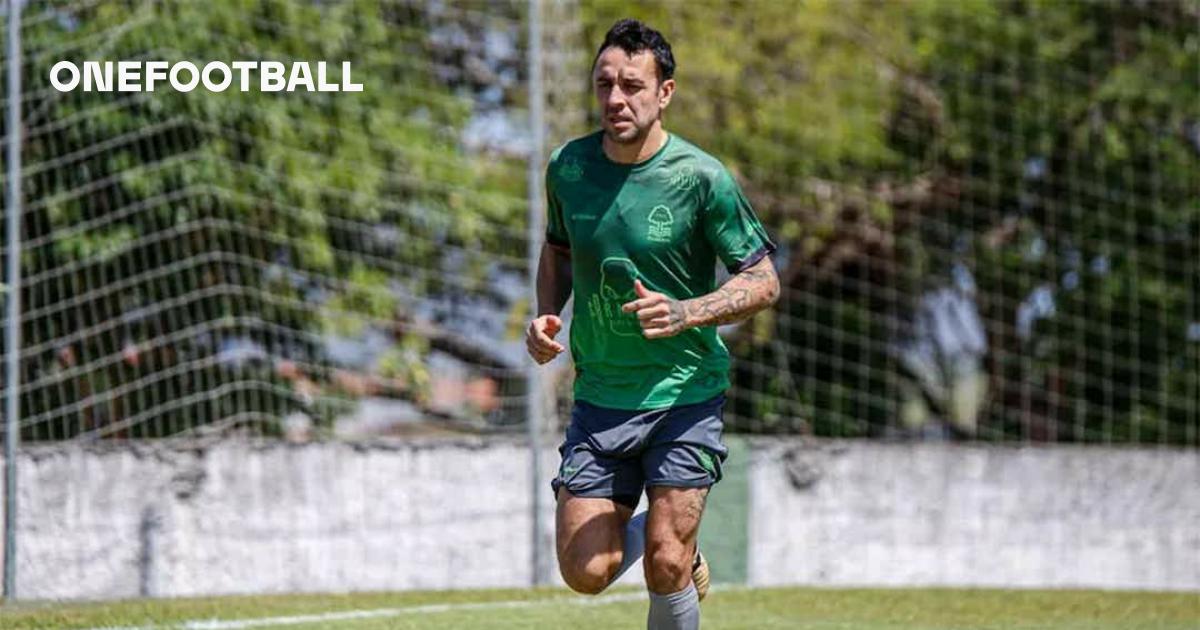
633 136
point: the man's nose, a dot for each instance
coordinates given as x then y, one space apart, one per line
615 100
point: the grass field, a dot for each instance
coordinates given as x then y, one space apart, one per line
793 609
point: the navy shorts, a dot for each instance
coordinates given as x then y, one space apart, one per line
616 453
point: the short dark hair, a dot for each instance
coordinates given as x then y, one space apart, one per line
633 37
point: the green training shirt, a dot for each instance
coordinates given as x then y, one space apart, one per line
666 220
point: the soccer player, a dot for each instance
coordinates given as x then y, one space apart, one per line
638 219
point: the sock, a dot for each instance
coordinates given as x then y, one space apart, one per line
635 544
677 611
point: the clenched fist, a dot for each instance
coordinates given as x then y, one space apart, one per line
539 338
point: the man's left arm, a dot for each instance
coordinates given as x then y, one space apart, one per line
744 294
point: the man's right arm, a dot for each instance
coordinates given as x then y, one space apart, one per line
554 280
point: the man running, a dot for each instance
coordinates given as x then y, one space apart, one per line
638 219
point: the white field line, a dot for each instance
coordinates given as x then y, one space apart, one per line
378 613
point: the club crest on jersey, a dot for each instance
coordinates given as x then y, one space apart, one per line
659 228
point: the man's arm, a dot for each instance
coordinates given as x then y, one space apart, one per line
554 283
743 295
554 280
746 293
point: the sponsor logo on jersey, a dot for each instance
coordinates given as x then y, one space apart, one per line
684 178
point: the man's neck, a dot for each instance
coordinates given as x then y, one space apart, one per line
636 152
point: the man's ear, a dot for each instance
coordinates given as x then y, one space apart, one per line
666 90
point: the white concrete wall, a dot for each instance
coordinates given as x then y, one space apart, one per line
116 522
857 513
109 522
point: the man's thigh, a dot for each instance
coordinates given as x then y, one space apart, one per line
675 514
589 529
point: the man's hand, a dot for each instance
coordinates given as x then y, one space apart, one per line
659 314
539 338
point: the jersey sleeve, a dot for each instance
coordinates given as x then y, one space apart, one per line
731 226
556 226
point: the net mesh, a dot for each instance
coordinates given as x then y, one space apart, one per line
271 263
988 216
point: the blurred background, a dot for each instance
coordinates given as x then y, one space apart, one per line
988 216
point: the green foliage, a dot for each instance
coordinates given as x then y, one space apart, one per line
1100 95
210 196
1041 144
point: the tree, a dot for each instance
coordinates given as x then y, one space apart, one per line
178 243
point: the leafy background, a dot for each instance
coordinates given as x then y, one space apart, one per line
223 261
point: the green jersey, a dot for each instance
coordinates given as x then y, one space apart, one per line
665 221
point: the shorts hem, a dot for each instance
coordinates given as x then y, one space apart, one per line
717 397
707 483
628 499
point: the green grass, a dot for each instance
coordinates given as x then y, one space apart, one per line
791 609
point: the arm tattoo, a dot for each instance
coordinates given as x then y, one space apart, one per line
743 295
677 316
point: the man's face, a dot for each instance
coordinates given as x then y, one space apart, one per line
630 96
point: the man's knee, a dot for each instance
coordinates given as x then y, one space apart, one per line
668 566
589 541
588 576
